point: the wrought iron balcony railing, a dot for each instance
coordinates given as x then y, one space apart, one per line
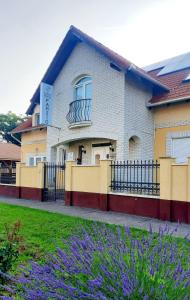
79 111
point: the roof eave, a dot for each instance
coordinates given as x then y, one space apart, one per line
171 101
29 129
147 77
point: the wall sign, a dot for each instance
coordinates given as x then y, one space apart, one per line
46 103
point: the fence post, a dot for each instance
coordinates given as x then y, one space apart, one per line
19 173
188 191
165 187
68 182
105 182
40 172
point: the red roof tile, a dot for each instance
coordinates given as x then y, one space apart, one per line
175 81
27 126
22 126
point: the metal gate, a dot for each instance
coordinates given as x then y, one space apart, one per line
54 182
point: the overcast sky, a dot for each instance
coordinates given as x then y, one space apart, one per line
143 31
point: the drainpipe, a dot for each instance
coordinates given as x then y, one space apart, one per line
18 141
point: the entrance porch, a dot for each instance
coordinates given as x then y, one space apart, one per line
86 151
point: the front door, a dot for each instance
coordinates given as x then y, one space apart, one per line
99 153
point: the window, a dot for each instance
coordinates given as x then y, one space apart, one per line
33 160
37 119
181 149
83 88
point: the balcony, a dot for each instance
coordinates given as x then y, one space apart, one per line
79 114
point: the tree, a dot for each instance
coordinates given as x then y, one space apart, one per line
7 123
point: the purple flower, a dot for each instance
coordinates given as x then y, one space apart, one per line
103 262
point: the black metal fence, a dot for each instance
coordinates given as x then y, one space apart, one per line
135 177
54 181
7 175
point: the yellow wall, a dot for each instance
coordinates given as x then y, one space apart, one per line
160 139
165 116
30 176
174 180
86 178
90 179
33 143
179 182
174 113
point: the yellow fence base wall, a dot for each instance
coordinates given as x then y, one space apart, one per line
174 180
30 181
87 185
86 178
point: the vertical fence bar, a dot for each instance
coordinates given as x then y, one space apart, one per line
135 177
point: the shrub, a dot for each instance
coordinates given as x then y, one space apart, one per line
10 247
102 263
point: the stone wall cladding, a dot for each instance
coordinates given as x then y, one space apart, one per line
138 119
172 124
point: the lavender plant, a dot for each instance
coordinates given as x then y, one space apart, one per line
106 263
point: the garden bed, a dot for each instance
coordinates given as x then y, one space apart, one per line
92 260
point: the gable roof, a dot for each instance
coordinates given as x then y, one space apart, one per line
10 151
173 73
71 39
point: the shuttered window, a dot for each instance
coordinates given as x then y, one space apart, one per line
181 149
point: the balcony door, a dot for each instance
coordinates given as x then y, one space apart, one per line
83 96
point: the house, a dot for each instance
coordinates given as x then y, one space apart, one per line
9 154
33 139
104 106
171 110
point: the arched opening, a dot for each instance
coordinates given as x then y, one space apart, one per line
134 148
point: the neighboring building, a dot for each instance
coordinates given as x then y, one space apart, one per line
33 139
9 154
106 107
172 110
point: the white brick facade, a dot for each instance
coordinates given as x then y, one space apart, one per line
138 120
118 106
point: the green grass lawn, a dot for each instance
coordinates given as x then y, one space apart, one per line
43 231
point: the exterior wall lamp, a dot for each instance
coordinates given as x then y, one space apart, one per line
83 150
111 147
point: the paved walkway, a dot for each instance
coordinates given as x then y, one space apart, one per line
96 215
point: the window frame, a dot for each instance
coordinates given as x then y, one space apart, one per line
35 158
37 119
83 85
